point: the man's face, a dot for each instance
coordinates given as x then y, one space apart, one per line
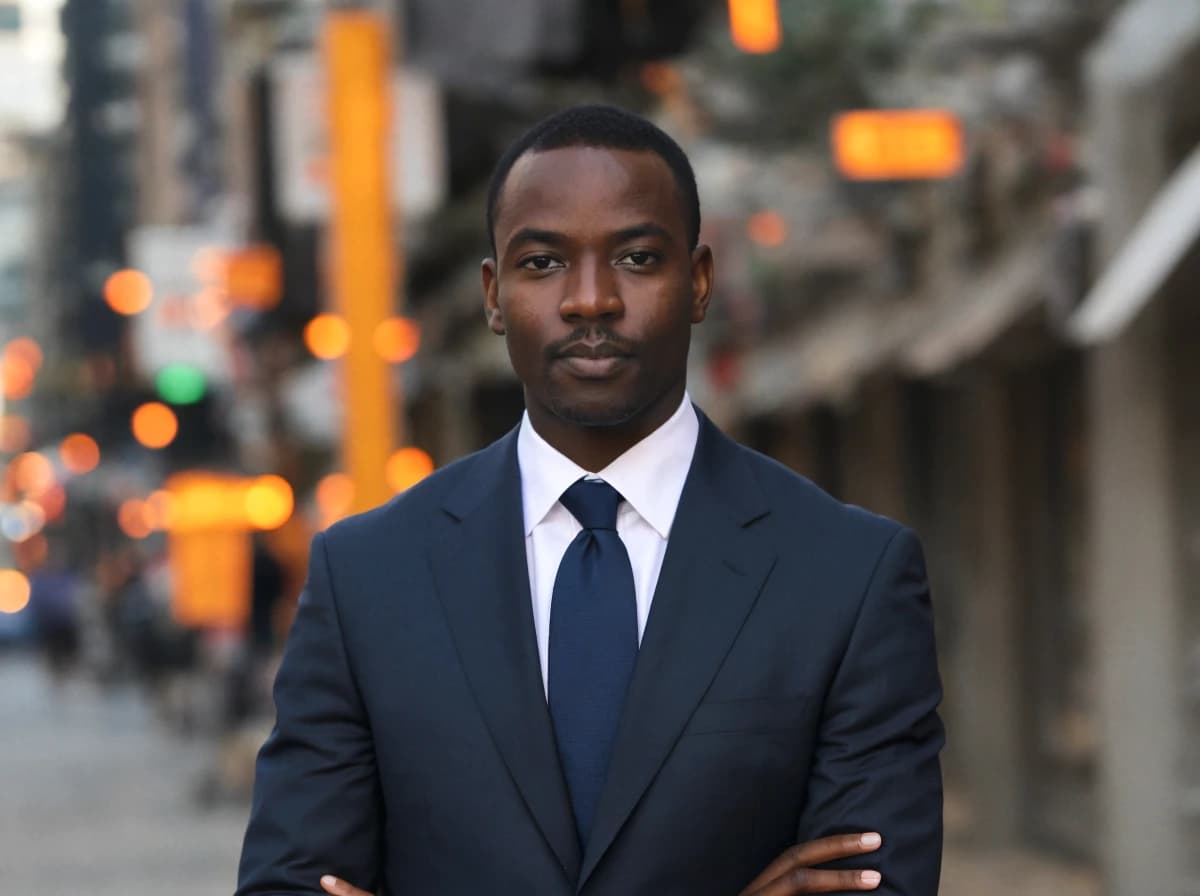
594 286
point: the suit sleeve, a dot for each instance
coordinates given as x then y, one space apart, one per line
876 762
316 807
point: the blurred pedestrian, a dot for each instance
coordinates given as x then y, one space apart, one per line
614 652
54 605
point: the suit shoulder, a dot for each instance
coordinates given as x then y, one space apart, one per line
801 502
411 509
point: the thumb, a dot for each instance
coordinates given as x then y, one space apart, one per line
331 884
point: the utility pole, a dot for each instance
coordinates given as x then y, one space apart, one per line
357 54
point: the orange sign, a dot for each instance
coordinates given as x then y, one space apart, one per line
208 518
898 144
210 572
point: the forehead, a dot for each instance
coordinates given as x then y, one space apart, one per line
582 189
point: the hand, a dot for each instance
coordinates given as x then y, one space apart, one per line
793 873
331 884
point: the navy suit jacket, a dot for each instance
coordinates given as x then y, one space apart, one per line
786 689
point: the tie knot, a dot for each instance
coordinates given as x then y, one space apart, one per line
593 502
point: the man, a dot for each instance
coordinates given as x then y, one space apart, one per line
614 652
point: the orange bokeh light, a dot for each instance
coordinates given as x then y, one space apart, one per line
407 467
335 494
754 25
210 307
131 517
31 553
80 454
269 502
14 591
397 339
767 228
661 78
27 349
53 502
159 510
32 473
128 292
155 425
18 375
208 265
327 336
15 434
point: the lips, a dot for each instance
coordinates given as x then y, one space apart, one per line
593 362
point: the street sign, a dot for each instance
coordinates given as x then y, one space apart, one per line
301 137
167 331
897 144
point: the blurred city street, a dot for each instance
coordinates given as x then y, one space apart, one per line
98 798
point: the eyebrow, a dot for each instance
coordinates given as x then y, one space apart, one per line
639 231
536 235
554 238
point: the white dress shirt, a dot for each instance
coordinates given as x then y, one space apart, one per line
650 478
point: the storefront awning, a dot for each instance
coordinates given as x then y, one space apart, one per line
1158 243
980 311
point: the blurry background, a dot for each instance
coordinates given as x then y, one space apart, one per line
231 313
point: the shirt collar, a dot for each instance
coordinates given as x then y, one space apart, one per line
649 476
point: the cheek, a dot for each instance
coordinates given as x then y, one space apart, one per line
664 319
524 337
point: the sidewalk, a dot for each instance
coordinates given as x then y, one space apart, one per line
970 872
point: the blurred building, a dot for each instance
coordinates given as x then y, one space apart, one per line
31 92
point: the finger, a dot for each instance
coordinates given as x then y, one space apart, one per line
808 880
817 852
337 887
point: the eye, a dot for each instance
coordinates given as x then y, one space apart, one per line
638 259
540 263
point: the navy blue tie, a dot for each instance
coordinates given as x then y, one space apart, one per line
593 644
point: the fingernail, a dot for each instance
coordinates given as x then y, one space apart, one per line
329 881
871 840
871 878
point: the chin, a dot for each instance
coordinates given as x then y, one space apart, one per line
597 414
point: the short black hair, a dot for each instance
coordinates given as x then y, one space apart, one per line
600 127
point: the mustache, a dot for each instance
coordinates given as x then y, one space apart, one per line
590 342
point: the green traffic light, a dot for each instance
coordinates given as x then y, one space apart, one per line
180 384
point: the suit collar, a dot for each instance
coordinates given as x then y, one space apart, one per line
650 475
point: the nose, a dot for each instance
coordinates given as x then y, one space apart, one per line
592 292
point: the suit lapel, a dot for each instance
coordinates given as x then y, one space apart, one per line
712 573
482 579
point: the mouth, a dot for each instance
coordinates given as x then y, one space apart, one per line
593 362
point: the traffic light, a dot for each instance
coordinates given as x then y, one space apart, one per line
180 384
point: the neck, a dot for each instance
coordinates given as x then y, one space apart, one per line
595 447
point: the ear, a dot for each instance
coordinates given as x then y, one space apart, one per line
491 296
702 281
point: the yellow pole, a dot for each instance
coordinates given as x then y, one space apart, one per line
364 277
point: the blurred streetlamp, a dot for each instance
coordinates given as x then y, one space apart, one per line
358 69
754 25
